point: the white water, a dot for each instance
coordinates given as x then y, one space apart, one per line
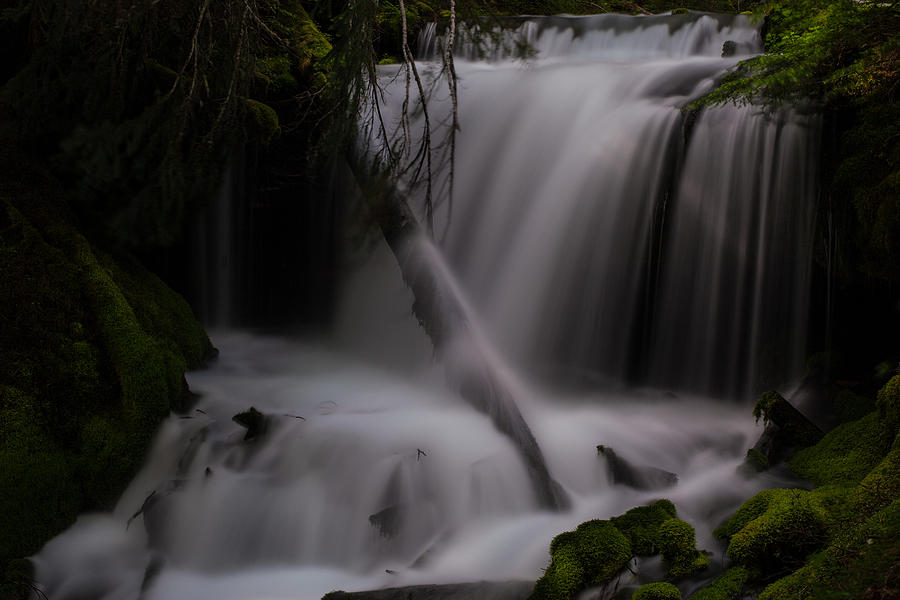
562 168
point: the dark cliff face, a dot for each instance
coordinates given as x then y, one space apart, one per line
93 350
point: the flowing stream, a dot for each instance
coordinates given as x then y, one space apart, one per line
635 274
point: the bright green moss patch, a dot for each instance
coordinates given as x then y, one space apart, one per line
678 546
780 528
727 586
860 562
590 555
881 485
641 526
657 591
749 510
845 455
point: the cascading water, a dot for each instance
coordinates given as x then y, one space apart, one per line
594 236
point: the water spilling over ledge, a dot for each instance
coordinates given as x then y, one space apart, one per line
609 251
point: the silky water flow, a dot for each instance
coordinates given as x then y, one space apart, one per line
631 272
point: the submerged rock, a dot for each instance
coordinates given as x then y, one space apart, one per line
623 472
256 422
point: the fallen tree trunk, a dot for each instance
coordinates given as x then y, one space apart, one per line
441 313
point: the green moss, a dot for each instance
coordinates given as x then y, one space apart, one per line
264 123
756 460
748 511
680 11
780 527
881 485
857 563
727 586
888 404
39 492
678 546
641 525
851 407
845 455
657 591
275 71
162 313
590 555
92 355
796 586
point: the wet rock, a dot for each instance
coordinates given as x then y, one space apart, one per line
483 590
786 430
623 472
254 421
729 48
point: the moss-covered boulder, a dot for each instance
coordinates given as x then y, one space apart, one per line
845 455
861 561
775 528
657 591
727 586
93 350
641 526
786 430
591 555
678 546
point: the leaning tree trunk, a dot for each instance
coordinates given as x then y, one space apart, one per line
441 314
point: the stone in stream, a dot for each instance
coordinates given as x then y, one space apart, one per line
623 472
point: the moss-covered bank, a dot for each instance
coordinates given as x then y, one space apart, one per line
93 349
838 540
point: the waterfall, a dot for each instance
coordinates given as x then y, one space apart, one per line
603 233
609 249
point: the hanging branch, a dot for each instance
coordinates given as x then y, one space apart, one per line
424 153
450 70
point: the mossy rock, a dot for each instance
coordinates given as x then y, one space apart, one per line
888 405
775 528
264 125
845 455
849 406
771 407
756 461
591 555
677 544
881 485
657 591
680 11
860 562
727 586
641 525
92 356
